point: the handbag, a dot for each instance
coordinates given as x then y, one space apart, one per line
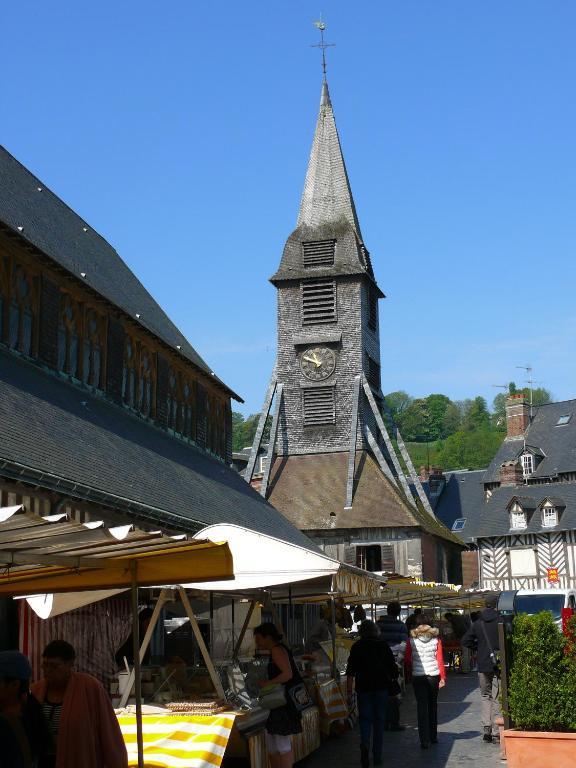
299 696
272 696
494 655
394 688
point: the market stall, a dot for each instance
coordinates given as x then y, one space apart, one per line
46 555
267 572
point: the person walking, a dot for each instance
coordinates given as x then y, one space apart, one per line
372 672
483 636
460 624
285 720
80 717
394 632
425 666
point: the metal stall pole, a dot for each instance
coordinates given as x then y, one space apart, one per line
333 617
211 623
136 652
233 620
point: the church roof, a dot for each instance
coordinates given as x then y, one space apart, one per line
310 490
327 196
62 438
31 210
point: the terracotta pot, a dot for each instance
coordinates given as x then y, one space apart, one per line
528 749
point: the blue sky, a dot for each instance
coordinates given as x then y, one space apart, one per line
181 131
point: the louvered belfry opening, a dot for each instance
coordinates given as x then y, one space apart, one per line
318 301
318 253
372 309
373 372
318 404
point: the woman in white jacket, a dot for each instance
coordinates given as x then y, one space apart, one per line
424 662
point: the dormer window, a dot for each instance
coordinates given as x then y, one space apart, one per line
549 516
527 464
518 518
563 420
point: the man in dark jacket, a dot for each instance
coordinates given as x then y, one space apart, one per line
371 671
483 635
394 632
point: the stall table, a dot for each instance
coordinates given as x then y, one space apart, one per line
178 740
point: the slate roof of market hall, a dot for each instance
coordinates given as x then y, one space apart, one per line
32 211
557 442
60 437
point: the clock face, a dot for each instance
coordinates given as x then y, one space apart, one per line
317 363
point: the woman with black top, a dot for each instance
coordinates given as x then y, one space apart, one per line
373 672
285 720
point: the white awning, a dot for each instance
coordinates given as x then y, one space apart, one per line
262 561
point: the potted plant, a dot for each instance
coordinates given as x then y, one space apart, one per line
542 694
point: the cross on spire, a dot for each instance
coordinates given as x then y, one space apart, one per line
321 26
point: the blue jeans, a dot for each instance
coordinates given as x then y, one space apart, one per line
372 716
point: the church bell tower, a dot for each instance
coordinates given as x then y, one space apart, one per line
335 466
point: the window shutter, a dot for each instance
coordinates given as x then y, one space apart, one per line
114 359
318 302
319 253
162 388
49 316
319 406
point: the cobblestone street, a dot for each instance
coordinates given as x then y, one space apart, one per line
459 735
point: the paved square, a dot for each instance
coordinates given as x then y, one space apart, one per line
459 735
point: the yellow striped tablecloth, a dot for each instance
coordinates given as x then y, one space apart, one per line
331 703
178 740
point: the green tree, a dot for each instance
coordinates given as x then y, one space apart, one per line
476 415
414 422
244 430
437 407
397 402
469 449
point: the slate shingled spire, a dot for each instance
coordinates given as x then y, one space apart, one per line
327 196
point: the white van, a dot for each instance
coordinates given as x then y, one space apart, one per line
533 601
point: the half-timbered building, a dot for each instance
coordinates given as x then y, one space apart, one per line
519 515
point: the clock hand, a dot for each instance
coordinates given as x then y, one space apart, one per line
309 359
317 362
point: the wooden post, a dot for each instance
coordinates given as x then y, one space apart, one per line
245 626
136 671
260 430
352 448
272 441
145 642
216 682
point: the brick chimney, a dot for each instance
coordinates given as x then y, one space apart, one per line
511 473
517 415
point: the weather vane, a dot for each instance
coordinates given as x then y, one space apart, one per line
321 26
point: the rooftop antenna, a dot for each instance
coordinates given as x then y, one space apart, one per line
321 26
530 381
